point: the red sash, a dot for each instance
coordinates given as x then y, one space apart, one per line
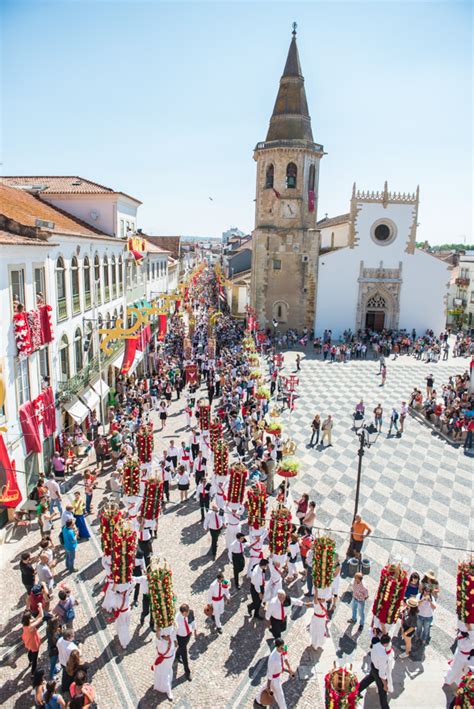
162 656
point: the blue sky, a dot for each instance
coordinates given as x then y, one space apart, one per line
166 101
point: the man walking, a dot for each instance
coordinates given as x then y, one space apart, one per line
393 421
257 588
213 522
236 551
326 429
70 544
185 626
277 662
378 412
218 594
403 415
54 494
382 661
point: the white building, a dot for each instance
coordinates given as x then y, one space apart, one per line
88 278
461 292
380 279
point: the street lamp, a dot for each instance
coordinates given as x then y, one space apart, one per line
366 437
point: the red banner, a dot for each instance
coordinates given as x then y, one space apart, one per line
10 495
30 428
311 200
144 338
129 354
162 321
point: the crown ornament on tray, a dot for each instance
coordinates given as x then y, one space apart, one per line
289 447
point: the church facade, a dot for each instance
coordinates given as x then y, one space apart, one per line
285 238
380 280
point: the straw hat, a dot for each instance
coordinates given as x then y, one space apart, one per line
412 602
430 575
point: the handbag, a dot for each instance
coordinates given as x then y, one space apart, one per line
208 610
266 698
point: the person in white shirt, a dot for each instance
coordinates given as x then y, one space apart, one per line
213 522
54 494
257 588
163 665
382 661
194 442
277 663
233 524
44 573
172 453
65 646
236 552
460 662
184 457
276 580
199 468
183 483
426 609
277 612
293 554
67 514
217 595
257 537
403 415
185 626
318 625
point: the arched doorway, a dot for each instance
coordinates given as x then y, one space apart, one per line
376 313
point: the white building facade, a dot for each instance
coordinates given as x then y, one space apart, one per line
381 280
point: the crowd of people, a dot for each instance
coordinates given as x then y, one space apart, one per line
222 376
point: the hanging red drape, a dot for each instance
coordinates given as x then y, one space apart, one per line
30 428
10 495
49 412
144 338
129 354
311 200
177 305
162 321
47 331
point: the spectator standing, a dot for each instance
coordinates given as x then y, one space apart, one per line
315 430
70 544
360 595
30 636
360 530
326 429
426 609
54 494
27 571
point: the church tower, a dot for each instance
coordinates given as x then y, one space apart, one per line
285 241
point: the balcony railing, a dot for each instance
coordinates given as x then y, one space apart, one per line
71 387
87 299
76 303
107 293
62 308
464 282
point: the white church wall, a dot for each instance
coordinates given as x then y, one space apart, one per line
335 237
337 292
423 293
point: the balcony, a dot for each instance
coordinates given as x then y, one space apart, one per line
76 303
87 300
71 387
463 282
62 309
107 293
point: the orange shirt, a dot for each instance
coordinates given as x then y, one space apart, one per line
31 638
358 529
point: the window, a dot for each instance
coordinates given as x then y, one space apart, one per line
61 289
291 172
98 294
39 282
280 311
17 283
148 270
22 381
276 264
311 178
78 353
269 177
383 232
75 291
472 296
114 278
120 275
122 228
106 279
64 371
376 301
87 283
89 343
44 363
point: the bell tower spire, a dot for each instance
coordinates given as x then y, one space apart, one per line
285 240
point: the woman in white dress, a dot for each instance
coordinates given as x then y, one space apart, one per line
163 665
318 625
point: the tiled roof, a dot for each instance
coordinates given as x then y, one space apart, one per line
333 221
60 184
169 243
25 209
10 239
152 248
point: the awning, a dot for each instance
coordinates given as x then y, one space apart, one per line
117 363
101 387
76 409
138 358
90 398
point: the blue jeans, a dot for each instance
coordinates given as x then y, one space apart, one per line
423 628
53 504
309 580
358 606
70 556
53 661
468 441
88 502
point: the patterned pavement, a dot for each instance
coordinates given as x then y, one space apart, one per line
416 488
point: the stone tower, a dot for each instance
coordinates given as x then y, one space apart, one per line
285 241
